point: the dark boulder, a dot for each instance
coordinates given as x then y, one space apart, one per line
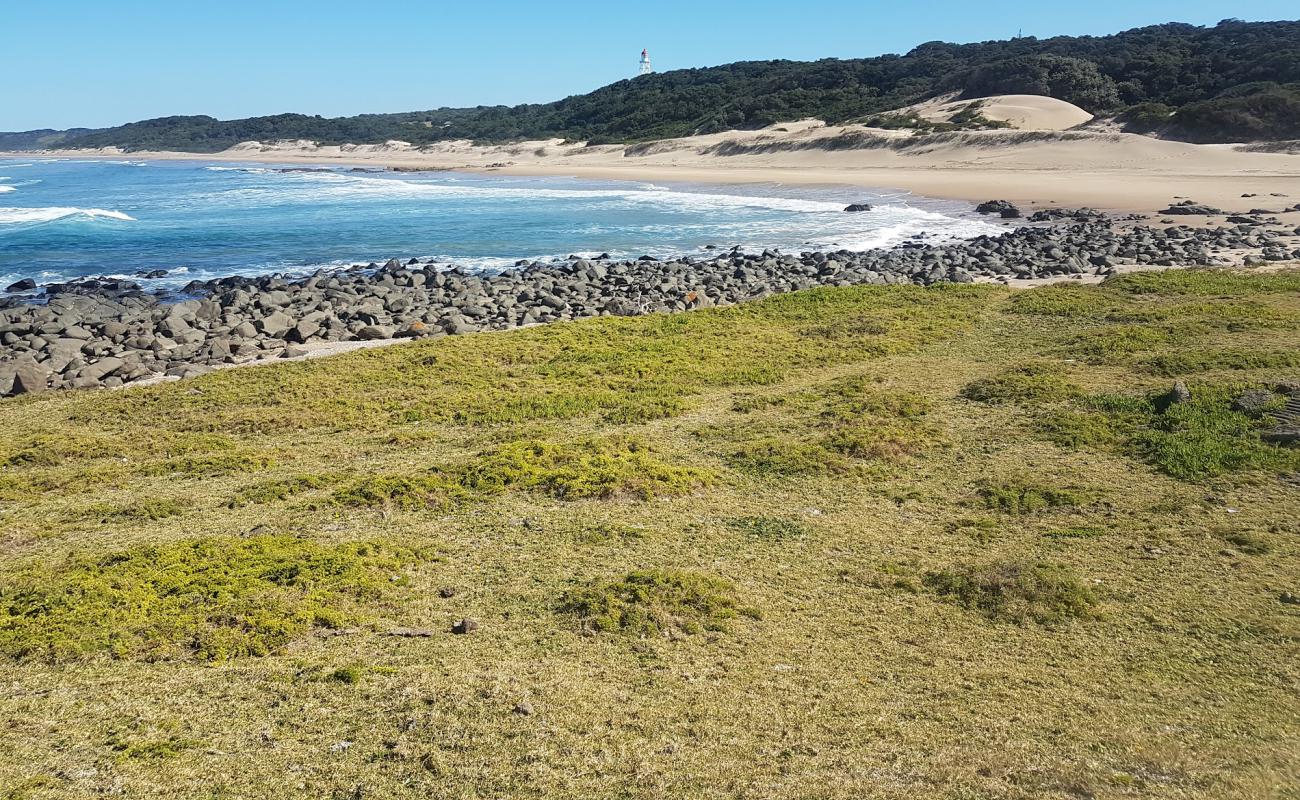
24 285
1193 209
1254 402
857 207
1002 207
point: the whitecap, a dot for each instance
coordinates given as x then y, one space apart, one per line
4 189
27 216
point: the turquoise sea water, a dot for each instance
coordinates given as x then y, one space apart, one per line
66 218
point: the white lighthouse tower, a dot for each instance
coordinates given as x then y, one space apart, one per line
646 69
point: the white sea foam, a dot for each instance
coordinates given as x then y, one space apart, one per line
27 216
4 189
338 185
249 170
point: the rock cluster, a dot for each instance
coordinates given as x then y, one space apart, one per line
1002 208
108 333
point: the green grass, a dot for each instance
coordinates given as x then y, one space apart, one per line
715 554
1197 440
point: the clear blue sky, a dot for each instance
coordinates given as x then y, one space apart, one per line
67 63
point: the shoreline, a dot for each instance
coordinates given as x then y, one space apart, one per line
96 335
1118 173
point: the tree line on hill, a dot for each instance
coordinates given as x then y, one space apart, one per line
1235 81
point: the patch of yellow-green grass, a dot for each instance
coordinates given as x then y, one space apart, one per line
270 491
768 528
210 599
599 468
655 603
211 465
1027 496
150 509
1015 592
1189 361
427 491
1026 383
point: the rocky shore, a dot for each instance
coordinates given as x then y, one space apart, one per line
102 333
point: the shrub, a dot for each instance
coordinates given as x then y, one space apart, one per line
653 603
1205 437
210 599
1073 80
1014 592
1146 117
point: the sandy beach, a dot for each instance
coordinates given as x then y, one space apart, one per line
1037 164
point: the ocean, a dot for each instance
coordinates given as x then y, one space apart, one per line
67 218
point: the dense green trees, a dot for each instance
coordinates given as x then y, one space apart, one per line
1073 80
1233 81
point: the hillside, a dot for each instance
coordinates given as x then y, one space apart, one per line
887 542
1235 81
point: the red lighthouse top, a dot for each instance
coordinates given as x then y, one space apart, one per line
645 52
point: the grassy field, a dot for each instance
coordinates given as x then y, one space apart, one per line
885 542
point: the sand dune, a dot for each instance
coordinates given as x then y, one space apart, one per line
1026 112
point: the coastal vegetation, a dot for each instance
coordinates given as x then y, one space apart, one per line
972 541
1235 81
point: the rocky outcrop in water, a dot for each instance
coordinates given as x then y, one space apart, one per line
109 333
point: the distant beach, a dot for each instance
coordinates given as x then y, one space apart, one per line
1112 171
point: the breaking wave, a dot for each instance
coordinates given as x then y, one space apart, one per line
30 216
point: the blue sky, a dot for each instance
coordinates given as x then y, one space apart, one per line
94 62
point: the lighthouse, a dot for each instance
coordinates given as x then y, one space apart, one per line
646 69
